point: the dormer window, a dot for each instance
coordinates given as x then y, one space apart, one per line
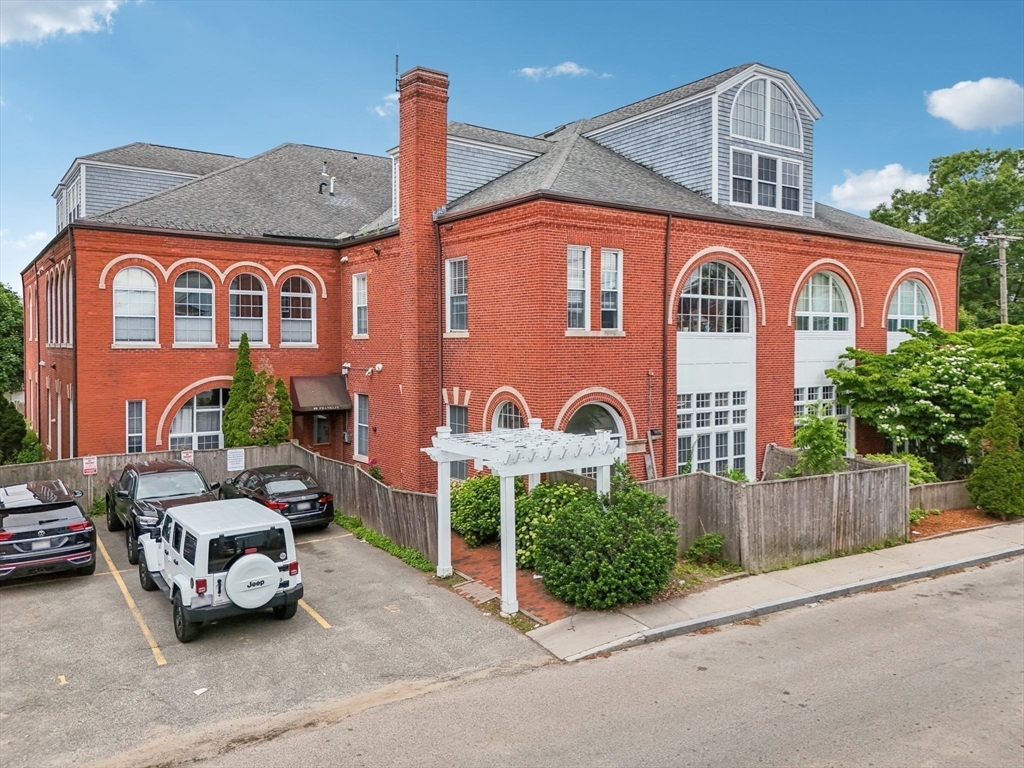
777 182
763 111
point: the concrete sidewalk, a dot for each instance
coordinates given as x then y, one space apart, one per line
589 632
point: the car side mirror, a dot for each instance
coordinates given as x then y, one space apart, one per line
76 493
121 493
214 486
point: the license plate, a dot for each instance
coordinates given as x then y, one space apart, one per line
303 506
41 544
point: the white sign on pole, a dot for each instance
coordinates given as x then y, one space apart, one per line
188 456
88 465
236 459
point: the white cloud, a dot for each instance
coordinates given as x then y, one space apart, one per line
26 241
32 21
389 106
992 102
570 68
864 191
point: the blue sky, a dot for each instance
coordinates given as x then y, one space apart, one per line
239 78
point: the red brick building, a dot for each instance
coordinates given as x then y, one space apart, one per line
658 270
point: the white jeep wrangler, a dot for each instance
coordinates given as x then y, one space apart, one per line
221 558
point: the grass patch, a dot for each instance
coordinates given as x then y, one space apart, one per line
918 514
519 621
407 555
98 507
690 576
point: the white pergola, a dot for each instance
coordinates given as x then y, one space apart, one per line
508 454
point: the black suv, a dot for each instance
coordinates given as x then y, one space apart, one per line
137 499
43 529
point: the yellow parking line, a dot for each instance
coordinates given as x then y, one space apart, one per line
160 660
319 619
325 538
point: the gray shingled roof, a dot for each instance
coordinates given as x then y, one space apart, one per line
274 193
139 155
514 140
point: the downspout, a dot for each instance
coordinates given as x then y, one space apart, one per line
72 312
440 325
665 431
39 356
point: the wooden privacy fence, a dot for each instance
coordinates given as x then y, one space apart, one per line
941 496
407 518
777 460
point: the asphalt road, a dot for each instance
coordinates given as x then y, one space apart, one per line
80 680
928 674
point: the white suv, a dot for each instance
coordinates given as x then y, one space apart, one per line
221 558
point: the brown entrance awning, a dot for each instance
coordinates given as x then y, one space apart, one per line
319 393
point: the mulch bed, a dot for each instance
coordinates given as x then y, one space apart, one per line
950 520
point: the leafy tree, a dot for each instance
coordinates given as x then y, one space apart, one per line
997 484
271 409
12 431
239 408
12 340
970 193
821 443
933 389
31 449
921 470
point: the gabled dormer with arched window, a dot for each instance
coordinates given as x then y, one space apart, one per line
765 143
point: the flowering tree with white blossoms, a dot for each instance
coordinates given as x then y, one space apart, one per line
933 389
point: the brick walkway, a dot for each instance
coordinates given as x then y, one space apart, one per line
483 564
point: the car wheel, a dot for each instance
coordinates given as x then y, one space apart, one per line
144 578
113 524
185 630
87 570
284 612
132 545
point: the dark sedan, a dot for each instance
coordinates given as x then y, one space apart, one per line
289 490
43 529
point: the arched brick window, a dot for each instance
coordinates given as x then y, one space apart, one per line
134 306
298 312
193 308
247 305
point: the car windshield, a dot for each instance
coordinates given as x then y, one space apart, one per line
224 549
164 485
290 484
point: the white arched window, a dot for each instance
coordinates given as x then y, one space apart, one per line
589 419
822 305
193 308
909 306
197 424
714 300
765 112
247 301
508 416
134 306
298 312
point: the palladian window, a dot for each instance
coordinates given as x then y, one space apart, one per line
714 300
764 111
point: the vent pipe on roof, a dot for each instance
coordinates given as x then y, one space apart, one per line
324 171
332 185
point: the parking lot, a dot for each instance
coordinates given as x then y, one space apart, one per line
90 667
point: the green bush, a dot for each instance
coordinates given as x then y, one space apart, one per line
476 508
821 443
536 509
601 552
918 514
921 470
706 549
997 483
738 475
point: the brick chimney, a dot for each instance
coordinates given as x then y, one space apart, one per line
422 189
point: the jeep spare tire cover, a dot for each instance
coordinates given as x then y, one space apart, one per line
252 581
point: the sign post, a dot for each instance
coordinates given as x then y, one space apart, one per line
88 465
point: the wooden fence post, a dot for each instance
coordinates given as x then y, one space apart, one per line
743 510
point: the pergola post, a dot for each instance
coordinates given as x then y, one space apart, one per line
533 480
444 512
509 603
604 479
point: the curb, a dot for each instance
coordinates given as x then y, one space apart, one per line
763 609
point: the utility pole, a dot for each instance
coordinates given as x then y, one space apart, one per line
1002 238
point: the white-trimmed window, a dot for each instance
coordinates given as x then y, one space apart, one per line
360 316
458 422
197 424
711 432
909 306
297 312
578 286
822 305
247 309
134 306
457 293
778 181
714 300
135 426
193 308
611 290
363 426
824 396
763 111
508 416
